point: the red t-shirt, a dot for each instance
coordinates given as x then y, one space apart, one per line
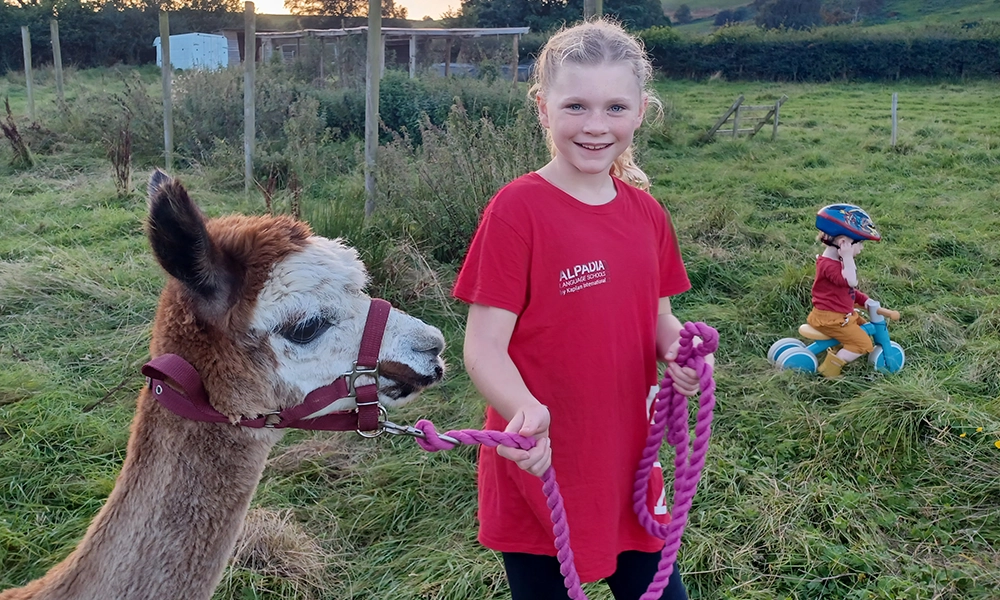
585 282
831 291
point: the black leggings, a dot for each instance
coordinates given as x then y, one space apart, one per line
537 577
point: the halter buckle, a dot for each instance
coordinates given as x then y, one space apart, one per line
352 377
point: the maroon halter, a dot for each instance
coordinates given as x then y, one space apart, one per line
193 403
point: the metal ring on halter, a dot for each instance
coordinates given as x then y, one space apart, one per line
382 416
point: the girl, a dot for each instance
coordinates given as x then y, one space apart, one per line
569 278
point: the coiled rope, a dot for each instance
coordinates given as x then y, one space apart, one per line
670 417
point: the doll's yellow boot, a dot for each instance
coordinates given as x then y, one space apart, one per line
831 366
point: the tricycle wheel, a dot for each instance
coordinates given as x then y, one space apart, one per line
798 359
888 360
782 345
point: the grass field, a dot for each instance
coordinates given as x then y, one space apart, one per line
943 11
869 487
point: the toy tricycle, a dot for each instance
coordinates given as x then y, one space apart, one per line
792 353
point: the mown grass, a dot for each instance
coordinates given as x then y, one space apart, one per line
870 487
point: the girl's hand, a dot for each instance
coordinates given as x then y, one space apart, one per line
530 422
685 378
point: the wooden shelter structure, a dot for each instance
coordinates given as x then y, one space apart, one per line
401 40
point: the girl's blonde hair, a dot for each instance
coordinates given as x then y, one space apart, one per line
597 42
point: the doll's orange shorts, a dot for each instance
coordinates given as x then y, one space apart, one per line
845 329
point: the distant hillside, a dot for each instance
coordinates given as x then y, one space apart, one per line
942 11
896 12
702 9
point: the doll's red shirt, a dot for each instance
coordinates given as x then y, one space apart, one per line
585 282
831 291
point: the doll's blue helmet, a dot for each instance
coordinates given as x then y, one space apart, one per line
846 219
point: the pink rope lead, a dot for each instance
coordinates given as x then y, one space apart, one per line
670 417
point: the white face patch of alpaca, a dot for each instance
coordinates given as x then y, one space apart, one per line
313 311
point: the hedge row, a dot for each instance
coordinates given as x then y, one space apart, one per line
824 57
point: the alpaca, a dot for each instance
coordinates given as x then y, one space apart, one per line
266 313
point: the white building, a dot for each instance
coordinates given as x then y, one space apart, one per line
195 51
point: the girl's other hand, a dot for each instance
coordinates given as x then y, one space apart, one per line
530 422
685 378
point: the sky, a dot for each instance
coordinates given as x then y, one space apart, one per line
415 9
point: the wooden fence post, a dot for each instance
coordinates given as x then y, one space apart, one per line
894 120
249 101
57 58
166 72
322 59
373 65
413 56
777 113
336 58
26 46
447 57
513 64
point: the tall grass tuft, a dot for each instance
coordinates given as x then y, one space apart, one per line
119 149
441 186
273 550
22 154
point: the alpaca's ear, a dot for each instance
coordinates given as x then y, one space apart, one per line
180 241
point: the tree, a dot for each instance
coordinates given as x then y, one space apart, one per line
546 15
333 8
794 14
683 14
390 10
637 14
340 8
844 11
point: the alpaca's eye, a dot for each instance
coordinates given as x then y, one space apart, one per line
306 331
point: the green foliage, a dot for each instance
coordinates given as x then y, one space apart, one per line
436 191
101 107
404 103
208 107
853 53
93 34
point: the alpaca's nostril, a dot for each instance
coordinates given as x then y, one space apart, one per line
434 347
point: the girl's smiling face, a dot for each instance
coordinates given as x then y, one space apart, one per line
592 113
